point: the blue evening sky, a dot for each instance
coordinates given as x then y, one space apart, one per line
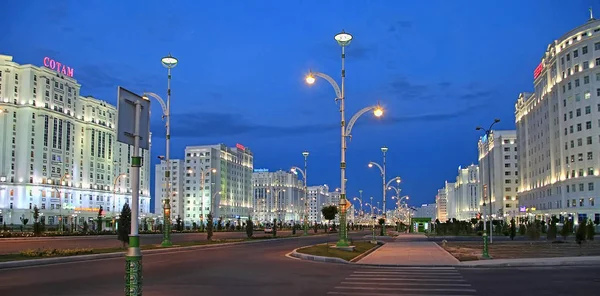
439 67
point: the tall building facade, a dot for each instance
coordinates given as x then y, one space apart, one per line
466 193
277 195
227 192
499 173
318 197
441 205
58 150
451 202
427 211
558 130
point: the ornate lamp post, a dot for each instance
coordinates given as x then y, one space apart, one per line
488 133
343 40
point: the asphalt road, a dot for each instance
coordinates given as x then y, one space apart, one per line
263 269
14 245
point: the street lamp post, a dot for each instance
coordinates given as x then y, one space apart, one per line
168 62
488 133
60 206
343 40
385 185
303 173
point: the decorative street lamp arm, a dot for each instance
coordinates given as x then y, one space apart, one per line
377 165
392 180
331 81
297 169
355 117
160 100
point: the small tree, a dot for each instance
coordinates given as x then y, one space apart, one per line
294 229
179 224
329 212
381 223
274 227
209 227
85 227
522 229
565 231
581 232
533 230
36 224
220 224
4 228
315 227
124 225
24 221
100 210
513 229
552 229
194 226
591 230
249 228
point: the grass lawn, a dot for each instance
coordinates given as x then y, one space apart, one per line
29 254
467 251
326 250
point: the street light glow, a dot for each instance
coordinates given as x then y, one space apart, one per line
370 164
310 78
378 112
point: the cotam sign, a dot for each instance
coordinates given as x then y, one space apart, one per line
58 66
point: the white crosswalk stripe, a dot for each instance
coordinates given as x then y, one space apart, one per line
405 281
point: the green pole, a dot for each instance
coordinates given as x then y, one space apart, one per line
166 242
485 254
343 241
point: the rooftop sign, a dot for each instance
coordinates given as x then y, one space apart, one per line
538 70
58 67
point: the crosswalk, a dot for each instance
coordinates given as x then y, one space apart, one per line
405 281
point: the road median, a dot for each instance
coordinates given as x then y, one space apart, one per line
328 253
28 258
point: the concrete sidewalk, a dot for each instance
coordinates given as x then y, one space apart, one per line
410 249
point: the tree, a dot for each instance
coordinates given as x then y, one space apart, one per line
179 224
249 228
552 229
124 225
315 227
381 223
85 227
581 232
36 224
209 227
220 224
533 229
24 221
100 210
513 229
329 212
591 231
564 232
274 227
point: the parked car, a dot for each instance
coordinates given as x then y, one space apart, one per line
268 229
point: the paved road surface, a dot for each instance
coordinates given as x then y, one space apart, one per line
262 269
10 245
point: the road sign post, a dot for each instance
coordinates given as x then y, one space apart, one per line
133 128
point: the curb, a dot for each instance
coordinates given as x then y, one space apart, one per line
79 258
532 262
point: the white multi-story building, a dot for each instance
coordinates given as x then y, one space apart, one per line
318 196
558 128
441 205
451 201
500 181
160 190
426 211
58 150
227 192
466 192
277 195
